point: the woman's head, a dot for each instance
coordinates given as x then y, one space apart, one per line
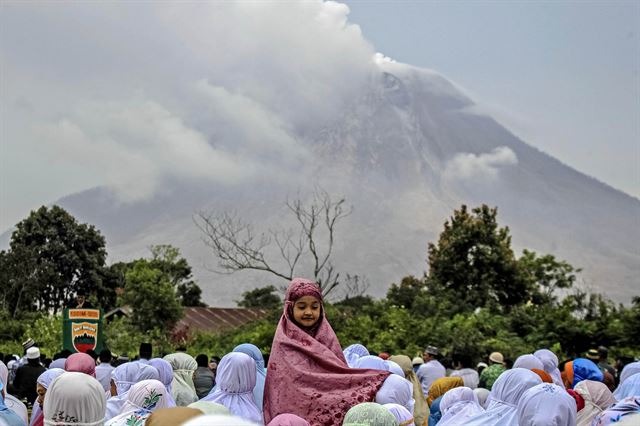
44 380
304 302
74 398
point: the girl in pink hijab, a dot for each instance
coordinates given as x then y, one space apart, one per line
307 374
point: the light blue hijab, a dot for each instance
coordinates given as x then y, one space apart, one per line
7 415
261 371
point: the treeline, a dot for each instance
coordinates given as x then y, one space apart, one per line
52 257
476 297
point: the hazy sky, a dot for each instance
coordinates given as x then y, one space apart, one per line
127 94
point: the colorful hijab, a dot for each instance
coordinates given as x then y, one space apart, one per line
550 364
396 390
371 414
142 399
402 415
616 413
457 405
74 399
81 363
218 420
630 387
597 398
235 380
547 404
504 397
166 377
420 409
529 362
441 386
578 370
544 376
261 371
182 387
288 420
308 375
353 352
124 376
172 416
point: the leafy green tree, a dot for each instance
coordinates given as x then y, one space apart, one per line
262 297
51 256
546 275
168 259
151 297
473 262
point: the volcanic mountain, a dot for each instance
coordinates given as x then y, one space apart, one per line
405 154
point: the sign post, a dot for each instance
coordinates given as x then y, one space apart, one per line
82 330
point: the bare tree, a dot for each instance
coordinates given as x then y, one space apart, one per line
238 246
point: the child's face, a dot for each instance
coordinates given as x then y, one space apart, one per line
306 311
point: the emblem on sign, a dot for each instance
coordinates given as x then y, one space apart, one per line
84 336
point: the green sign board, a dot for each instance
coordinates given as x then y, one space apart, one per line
82 330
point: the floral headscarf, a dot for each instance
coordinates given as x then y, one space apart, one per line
143 398
371 414
74 399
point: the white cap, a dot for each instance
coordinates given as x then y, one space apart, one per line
33 353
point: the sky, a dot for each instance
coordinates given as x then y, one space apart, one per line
128 95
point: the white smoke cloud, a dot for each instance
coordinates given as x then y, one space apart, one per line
468 166
142 92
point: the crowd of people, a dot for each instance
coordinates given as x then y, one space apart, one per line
311 381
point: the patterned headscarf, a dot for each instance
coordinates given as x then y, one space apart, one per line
125 376
308 375
371 414
143 398
547 404
74 399
618 412
353 352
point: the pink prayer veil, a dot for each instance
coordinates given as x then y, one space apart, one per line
307 373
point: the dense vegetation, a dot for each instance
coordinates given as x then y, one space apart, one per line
476 297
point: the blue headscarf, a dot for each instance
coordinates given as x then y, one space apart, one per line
261 371
435 414
7 415
585 369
